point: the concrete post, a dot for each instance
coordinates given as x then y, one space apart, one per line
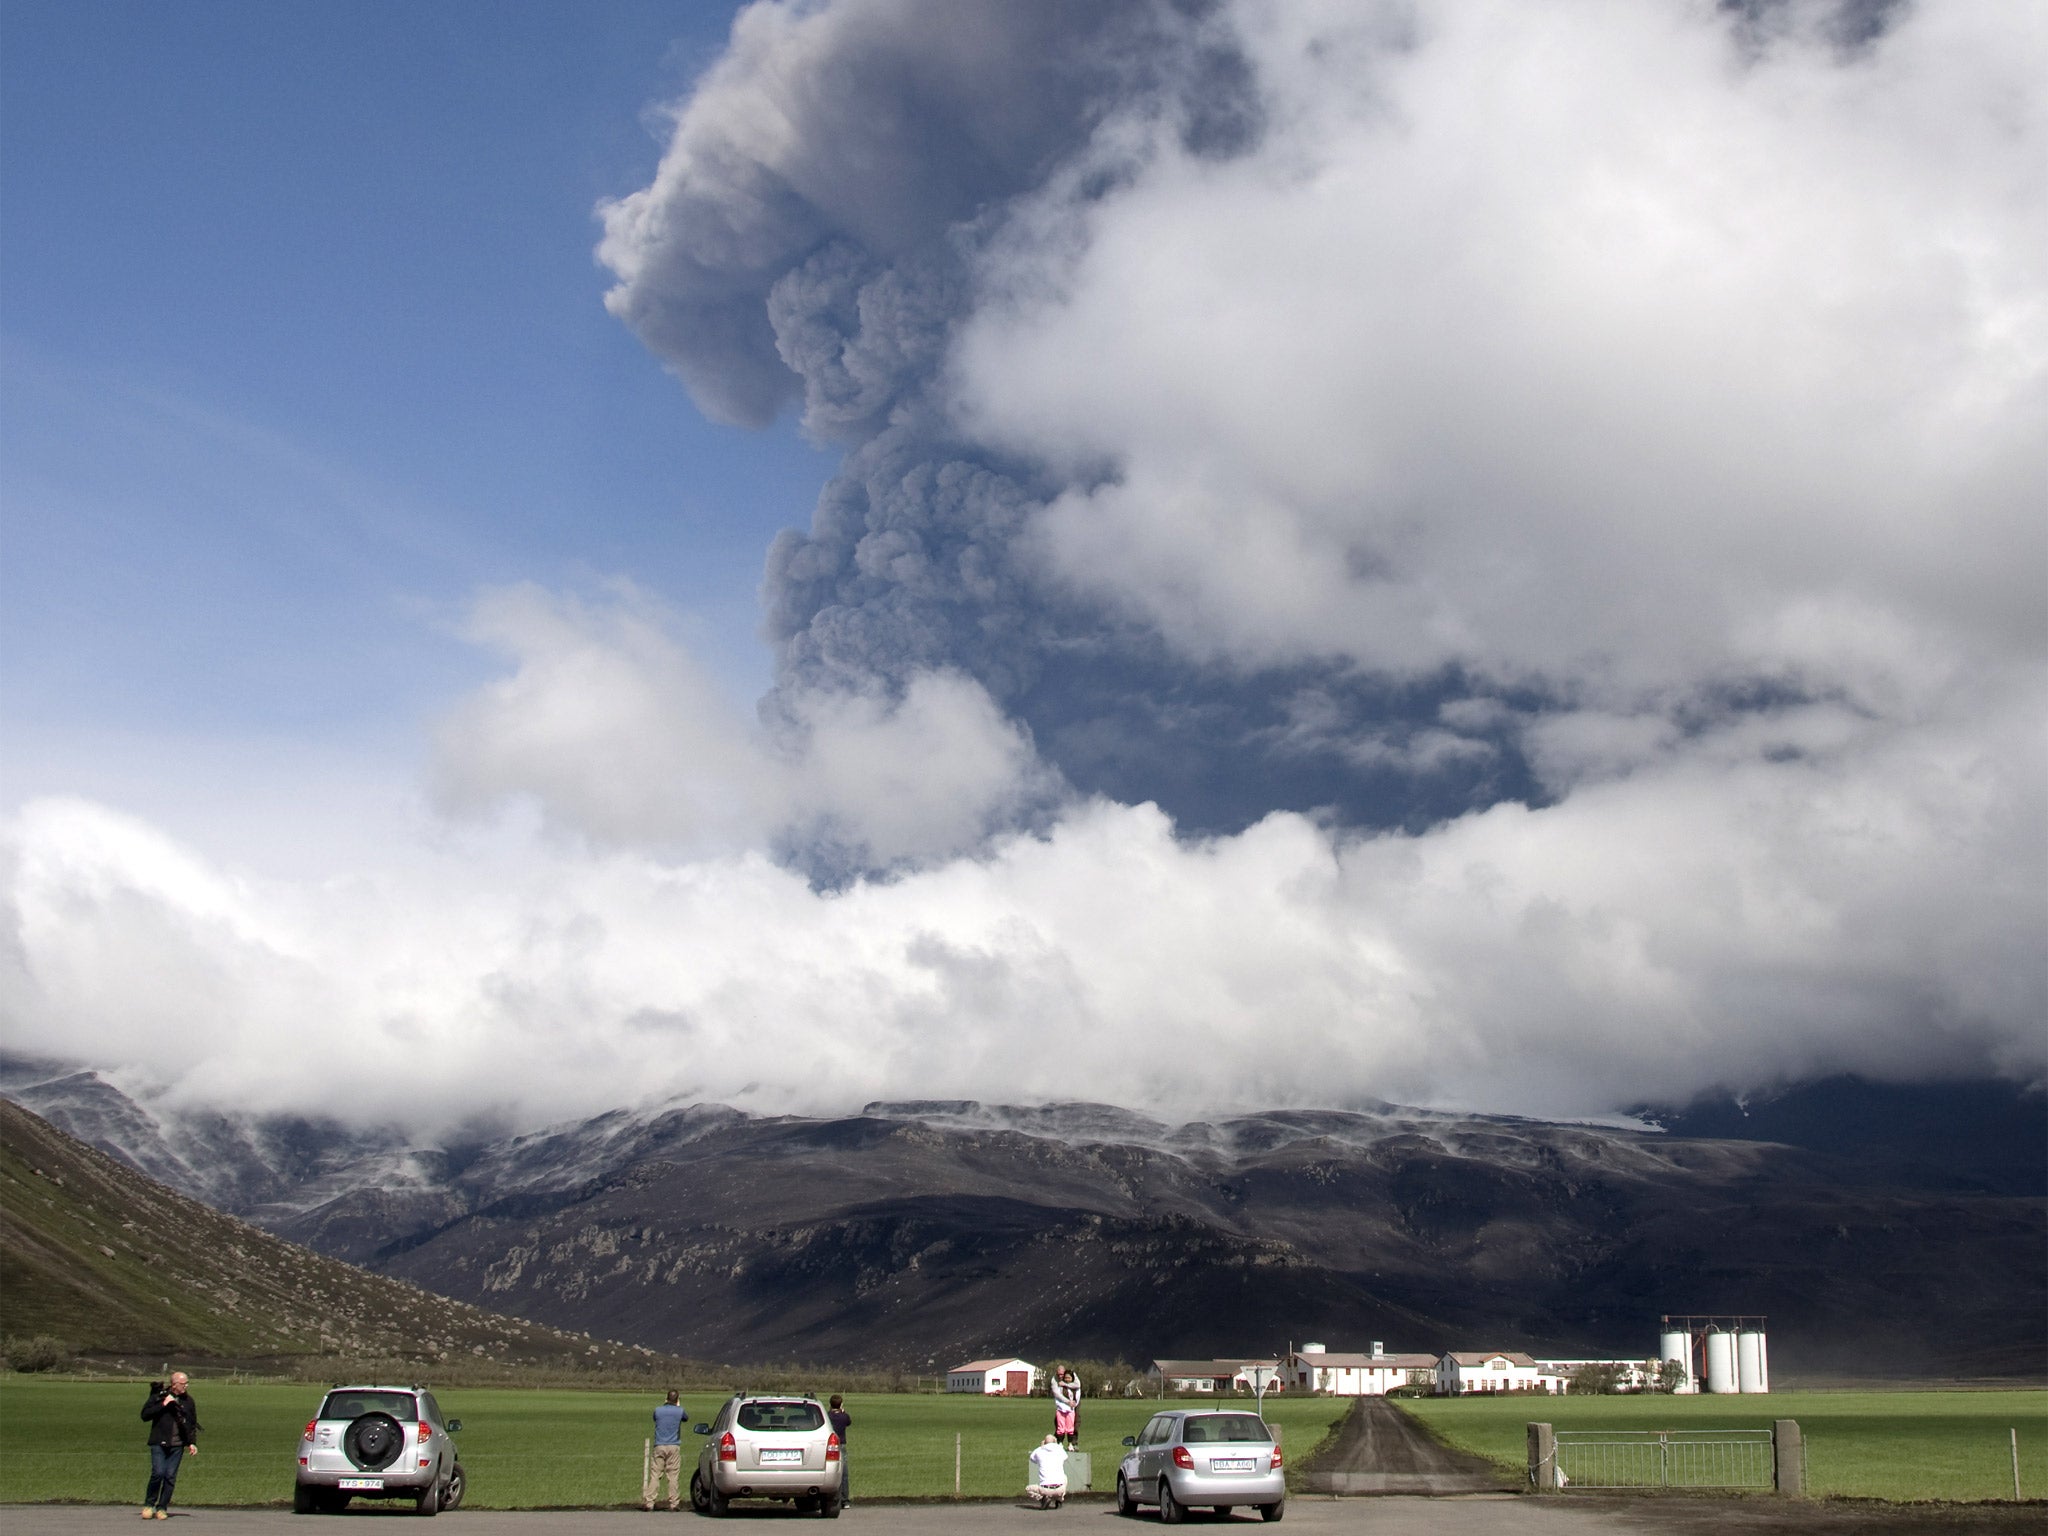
1788 1458
1543 1458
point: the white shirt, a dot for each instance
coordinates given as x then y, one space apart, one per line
1050 1463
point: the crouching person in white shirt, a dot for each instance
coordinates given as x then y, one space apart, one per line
1048 1488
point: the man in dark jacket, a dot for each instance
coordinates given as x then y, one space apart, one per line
173 1435
841 1422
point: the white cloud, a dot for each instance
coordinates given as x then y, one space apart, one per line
611 731
930 775
607 724
1705 918
1560 343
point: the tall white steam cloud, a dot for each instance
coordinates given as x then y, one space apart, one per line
1641 406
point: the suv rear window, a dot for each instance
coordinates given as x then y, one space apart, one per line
353 1405
781 1416
1212 1427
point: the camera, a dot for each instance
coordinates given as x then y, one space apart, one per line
157 1389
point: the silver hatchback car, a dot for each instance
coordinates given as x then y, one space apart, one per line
1195 1456
769 1447
378 1443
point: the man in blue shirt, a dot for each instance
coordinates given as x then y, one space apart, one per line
667 1458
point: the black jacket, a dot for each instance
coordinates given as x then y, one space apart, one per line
177 1424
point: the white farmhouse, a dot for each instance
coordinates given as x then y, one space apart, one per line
1214 1375
1488 1371
1630 1375
994 1378
1312 1368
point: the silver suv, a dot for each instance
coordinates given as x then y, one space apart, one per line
378 1443
768 1447
1190 1456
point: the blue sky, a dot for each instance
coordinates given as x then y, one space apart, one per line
304 344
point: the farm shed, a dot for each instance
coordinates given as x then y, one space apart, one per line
994 1378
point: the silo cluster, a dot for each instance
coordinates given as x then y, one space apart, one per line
1720 1354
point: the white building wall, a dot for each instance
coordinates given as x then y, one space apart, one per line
1455 1377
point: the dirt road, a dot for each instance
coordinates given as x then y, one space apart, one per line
1379 1449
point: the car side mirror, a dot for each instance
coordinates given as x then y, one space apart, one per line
1130 1439
704 1429
454 1425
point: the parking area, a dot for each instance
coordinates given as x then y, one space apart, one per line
1486 1514
1491 1515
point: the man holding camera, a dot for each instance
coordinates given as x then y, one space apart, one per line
173 1435
666 1460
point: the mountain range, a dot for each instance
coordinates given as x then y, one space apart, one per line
1886 1231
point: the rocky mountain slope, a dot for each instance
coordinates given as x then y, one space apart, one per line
913 1233
110 1262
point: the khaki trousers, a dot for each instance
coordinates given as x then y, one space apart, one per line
667 1461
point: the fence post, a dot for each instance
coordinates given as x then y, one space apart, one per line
646 1464
2015 1466
956 1464
1543 1457
1788 1457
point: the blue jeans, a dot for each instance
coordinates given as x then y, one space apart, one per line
164 1461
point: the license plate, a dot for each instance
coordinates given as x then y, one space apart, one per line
1231 1464
360 1482
782 1458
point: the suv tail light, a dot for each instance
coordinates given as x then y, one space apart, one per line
426 1431
728 1448
831 1447
1276 1458
307 1432
1181 1458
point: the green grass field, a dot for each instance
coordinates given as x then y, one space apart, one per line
80 1441
1883 1445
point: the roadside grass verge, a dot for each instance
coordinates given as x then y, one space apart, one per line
1900 1446
82 1441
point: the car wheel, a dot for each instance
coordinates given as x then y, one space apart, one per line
429 1501
828 1506
1274 1510
1170 1512
1125 1504
303 1500
458 1485
373 1441
715 1503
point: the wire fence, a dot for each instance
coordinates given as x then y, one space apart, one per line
1665 1458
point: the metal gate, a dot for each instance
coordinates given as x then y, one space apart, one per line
1665 1458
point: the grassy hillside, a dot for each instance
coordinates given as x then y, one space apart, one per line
114 1265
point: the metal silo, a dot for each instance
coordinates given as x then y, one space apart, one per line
1676 1344
1763 1359
1749 1361
1721 1362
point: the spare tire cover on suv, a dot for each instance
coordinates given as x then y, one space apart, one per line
373 1441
